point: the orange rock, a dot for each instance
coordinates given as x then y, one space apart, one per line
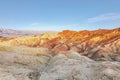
60 47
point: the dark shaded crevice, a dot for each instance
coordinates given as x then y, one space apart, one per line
34 75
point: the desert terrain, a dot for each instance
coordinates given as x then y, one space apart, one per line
65 55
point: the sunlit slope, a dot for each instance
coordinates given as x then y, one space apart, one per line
97 36
95 44
66 36
31 41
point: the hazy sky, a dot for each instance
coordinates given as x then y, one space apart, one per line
59 14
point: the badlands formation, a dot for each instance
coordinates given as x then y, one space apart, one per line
66 55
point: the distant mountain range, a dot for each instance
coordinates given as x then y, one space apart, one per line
9 32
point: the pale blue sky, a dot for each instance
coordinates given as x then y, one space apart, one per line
59 14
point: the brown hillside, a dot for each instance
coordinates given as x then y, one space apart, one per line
98 44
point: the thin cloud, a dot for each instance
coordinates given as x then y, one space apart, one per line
105 17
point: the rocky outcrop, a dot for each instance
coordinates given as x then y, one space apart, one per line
76 67
21 66
17 73
71 66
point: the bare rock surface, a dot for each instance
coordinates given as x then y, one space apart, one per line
76 67
71 66
16 73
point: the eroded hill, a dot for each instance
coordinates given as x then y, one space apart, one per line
99 44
